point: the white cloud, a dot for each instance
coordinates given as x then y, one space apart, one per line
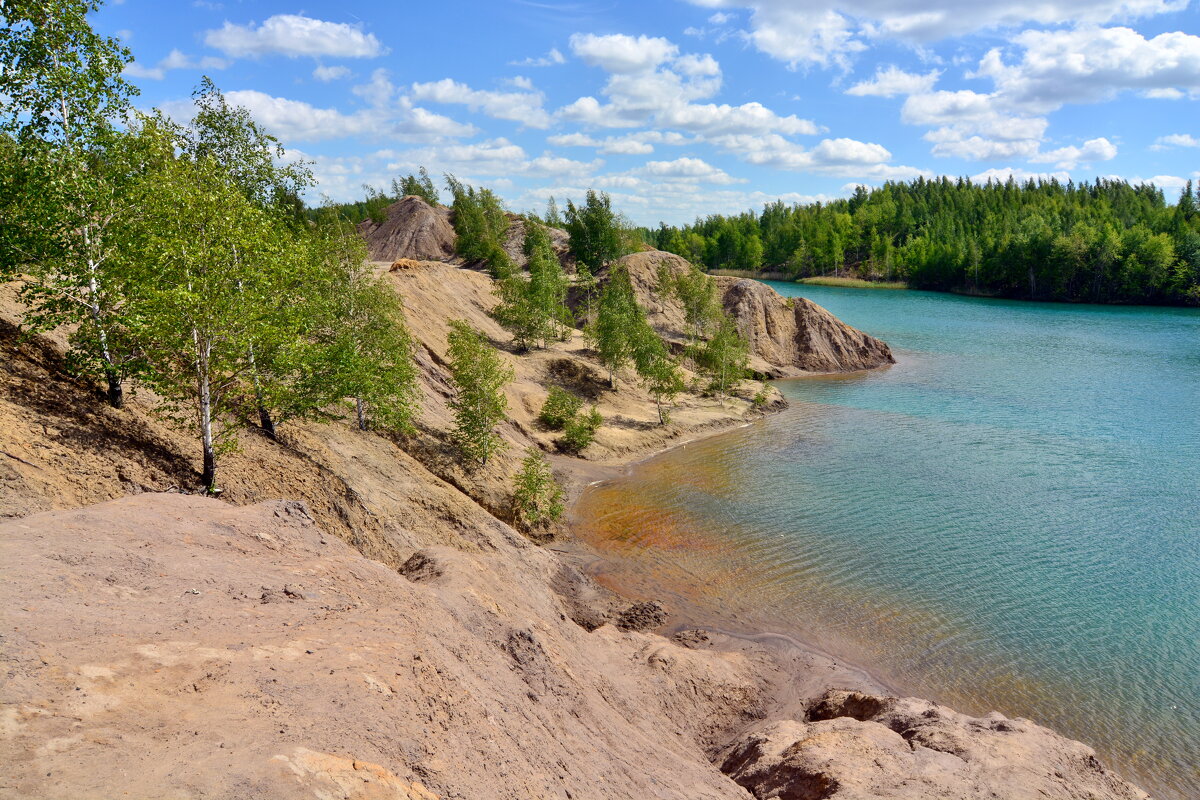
294 35
891 81
618 53
1019 175
327 74
523 107
687 169
297 121
845 157
176 59
551 59
1175 140
1093 150
640 143
828 32
1165 182
1089 64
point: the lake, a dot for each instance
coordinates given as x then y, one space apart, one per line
1008 518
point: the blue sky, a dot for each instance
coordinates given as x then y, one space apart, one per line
680 108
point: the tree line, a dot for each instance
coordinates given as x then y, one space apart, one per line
1106 241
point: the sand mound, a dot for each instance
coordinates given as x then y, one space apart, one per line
413 229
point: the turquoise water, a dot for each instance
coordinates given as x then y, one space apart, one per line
1008 518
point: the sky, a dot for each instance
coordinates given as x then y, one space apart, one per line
683 108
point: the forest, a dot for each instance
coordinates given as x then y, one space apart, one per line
1108 241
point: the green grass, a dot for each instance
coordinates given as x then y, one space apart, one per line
853 283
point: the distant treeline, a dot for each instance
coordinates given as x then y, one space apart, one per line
1106 242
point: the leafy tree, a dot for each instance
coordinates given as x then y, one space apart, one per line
420 185
252 158
581 431
723 357
553 216
611 330
62 89
560 408
595 232
212 253
662 377
356 344
535 308
479 376
537 496
481 224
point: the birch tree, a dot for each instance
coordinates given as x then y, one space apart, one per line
62 90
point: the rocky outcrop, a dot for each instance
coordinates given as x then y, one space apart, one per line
413 229
855 746
788 336
793 335
514 244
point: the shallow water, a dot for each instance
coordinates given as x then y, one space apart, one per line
1008 518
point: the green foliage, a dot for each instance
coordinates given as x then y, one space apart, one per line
60 80
535 309
229 137
537 496
597 236
353 341
760 397
420 185
560 408
581 431
697 293
65 170
724 357
1107 241
553 217
479 376
481 223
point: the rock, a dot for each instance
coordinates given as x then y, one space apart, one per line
857 746
405 263
514 244
642 616
788 336
412 230
421 566
793 335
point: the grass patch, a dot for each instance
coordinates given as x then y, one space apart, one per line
853 283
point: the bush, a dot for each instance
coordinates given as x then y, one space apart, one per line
580 431
560 408
537 497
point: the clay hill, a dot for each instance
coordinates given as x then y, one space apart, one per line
356 618
411 229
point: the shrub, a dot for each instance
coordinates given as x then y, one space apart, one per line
580 431
537 496
560 408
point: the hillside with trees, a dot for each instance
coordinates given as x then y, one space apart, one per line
1103 242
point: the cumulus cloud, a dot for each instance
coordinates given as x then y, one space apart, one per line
1090 64
687 169
640 143
327 74
551 59
1002 175
653 85
1175 140
293 35
1092 151
294 121
524 107
845 157
176 59
891 81
829 32
619 53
